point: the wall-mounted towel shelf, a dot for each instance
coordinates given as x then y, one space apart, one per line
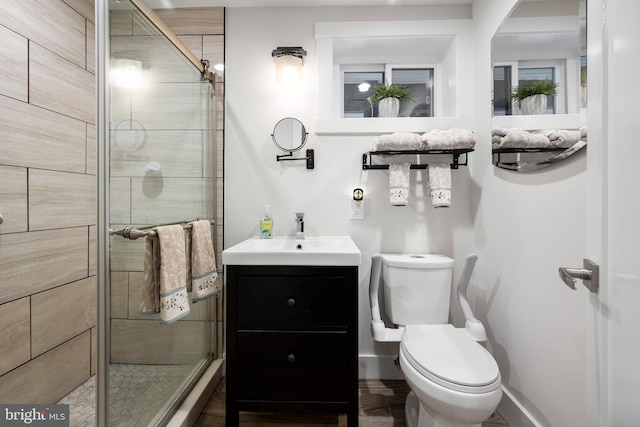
528 159
456 153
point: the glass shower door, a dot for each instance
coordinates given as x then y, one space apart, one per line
161 171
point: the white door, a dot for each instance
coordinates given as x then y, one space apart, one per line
613 319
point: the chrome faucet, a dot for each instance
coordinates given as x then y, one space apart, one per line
299 225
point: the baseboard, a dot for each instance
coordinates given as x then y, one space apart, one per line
190 410
513 412
378 367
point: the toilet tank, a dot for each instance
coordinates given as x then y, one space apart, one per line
417 288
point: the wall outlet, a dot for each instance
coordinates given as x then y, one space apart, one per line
357 210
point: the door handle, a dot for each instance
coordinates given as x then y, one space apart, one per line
589 275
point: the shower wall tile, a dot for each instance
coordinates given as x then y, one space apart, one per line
194 43
219 143
15 62
136 341
55 317
36 261
199 310
13 199
15 348
160 200
161 62
58 85
61 199
126 255
91 150
50 377
121 22
94 350
185 111
120 108
91 48
213 49
39 138
177 152
120 200
119 294
193 20
219 106
85 8
51 24
92 251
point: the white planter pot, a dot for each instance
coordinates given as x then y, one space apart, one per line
536 104
388 107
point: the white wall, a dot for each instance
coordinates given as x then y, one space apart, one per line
522 226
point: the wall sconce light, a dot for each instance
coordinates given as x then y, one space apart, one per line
288 64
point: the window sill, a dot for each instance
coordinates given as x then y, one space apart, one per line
385 125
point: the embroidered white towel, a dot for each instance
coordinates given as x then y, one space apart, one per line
164 289
399 183
398 141
204 280
440 184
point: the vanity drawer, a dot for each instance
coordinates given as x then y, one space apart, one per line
292 366
300 301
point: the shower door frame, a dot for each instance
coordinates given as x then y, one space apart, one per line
103 49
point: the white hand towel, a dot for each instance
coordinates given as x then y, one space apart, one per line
449 139
440 184
204 280
164 289
398 141
399 183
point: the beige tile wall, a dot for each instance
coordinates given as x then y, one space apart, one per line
47 198
188 186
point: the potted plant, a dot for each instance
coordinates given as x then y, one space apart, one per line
533 96
389 97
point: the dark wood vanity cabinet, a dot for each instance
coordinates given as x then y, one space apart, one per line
292 340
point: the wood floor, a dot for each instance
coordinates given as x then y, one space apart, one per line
381 405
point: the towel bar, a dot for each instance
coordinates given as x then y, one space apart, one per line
132 233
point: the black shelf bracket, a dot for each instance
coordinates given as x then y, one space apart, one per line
455 153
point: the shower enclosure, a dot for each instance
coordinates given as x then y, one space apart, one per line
157 164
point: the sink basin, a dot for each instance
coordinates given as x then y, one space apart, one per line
339 250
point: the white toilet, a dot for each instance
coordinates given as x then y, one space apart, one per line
454 380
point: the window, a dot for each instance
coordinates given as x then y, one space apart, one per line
502 90
525 72
529 75
358 86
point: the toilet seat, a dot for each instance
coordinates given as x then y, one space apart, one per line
450 358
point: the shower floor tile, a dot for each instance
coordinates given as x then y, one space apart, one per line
381 405
136 394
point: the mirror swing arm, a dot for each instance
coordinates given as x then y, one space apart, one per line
310 158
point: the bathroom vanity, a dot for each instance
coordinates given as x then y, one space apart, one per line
292 327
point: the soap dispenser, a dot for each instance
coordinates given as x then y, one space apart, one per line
266 224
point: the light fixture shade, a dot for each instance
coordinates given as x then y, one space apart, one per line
288 69
289 64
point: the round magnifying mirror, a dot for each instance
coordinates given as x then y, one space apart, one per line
289 134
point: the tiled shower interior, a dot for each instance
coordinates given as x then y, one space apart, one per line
47 188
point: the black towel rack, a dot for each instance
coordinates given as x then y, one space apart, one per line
456 153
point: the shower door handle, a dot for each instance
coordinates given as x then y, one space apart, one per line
589 275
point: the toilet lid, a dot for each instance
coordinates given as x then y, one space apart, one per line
450 358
